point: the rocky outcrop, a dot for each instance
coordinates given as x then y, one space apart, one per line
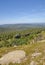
13 57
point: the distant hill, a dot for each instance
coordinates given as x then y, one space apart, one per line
20 26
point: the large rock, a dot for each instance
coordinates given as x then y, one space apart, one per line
13 57
17 36
36 54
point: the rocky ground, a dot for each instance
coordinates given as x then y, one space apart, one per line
32 54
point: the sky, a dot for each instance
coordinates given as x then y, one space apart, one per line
22 11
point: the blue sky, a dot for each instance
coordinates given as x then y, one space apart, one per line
22 11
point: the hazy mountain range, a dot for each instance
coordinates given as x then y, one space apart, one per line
21 26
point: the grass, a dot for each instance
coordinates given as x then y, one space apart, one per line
29 49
